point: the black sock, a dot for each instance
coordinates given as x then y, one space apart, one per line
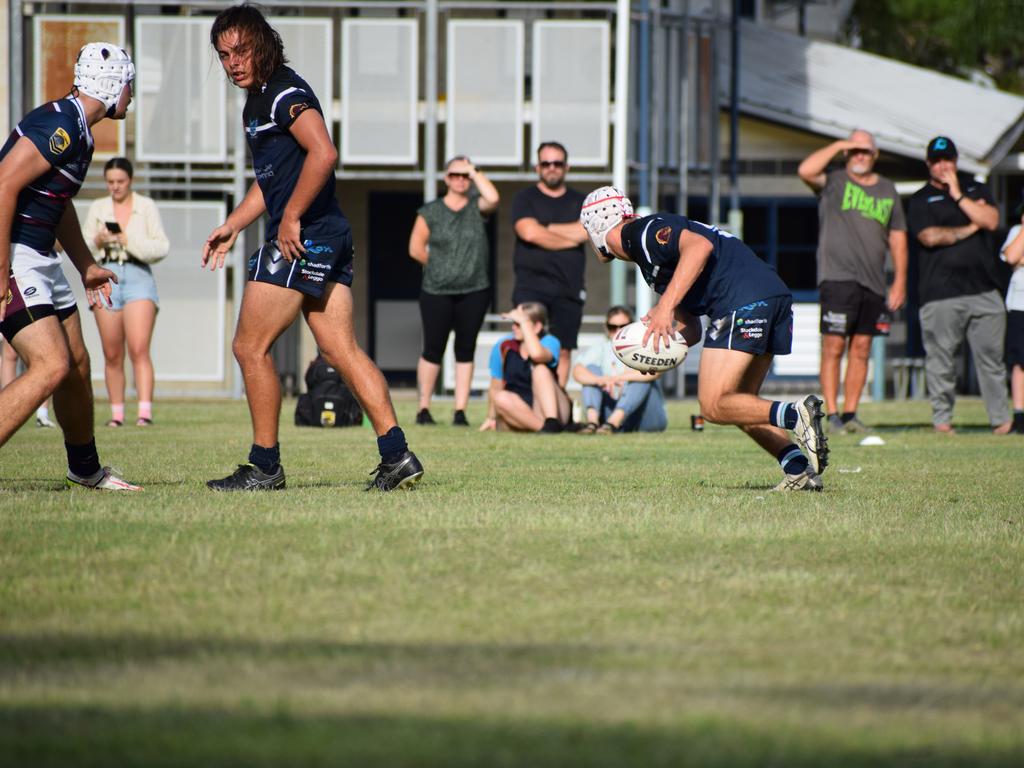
392 445
551 425
83 459
266 460
848 416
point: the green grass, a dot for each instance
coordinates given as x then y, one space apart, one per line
538 600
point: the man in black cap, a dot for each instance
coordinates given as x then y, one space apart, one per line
959 292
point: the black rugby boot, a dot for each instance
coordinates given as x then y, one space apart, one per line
249 477
403 473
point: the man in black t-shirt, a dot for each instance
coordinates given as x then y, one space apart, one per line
960 295
549 259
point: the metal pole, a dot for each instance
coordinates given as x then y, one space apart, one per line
620 146
16 55
684 115
735 212
714 204
430 105
878 379
643 150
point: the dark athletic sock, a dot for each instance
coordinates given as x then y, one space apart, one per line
792 460
392 445
83 459
848 416
266 460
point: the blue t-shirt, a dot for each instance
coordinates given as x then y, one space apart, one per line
61 133
277 157
733 276
497 363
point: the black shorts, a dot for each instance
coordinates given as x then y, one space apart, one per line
328 258
757 328
1014 338
848 308
564 315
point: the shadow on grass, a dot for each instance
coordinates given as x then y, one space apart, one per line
271 731
99 736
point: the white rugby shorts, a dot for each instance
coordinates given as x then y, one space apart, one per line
40 278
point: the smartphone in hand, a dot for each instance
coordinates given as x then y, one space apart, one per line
113 227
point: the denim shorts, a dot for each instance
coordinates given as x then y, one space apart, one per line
134 283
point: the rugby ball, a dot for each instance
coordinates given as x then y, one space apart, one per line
628 346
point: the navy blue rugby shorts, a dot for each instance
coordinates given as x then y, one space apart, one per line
328 258
763 326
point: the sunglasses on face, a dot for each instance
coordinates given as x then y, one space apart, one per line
552 163
860 152
615 326
453 175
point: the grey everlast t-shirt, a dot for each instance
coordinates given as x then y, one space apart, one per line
854 224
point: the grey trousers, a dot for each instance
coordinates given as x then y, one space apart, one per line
981 319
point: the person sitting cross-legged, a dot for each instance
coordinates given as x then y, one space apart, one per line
524 395
617 398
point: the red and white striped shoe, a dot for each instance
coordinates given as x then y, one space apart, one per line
104 480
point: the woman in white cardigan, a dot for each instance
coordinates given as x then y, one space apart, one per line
126 235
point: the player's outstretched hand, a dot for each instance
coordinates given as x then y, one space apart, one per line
97 281
217 246
488 425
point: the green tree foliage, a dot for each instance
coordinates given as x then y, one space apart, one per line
951 36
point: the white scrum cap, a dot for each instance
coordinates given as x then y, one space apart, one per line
603 209
102 71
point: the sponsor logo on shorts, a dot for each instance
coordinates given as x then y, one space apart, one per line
30 291
835 322
276 263
719 326
316 248
59 141
297 109
663 235
753 306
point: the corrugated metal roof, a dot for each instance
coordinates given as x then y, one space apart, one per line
830 89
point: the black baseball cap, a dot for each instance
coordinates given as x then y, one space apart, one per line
941 147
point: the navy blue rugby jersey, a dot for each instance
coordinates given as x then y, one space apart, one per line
61 133
276 156
733 275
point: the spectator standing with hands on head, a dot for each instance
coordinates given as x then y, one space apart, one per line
549 259
960 295
449 240
126 235
860 218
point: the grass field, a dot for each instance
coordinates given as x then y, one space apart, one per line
538 600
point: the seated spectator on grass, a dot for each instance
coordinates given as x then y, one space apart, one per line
617 398
524 395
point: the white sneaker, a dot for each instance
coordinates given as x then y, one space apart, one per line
809 434
808 480
44 422
104 480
